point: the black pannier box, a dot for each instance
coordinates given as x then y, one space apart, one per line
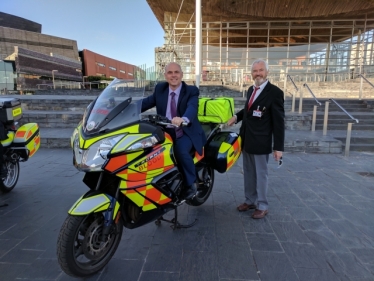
10 110
223 151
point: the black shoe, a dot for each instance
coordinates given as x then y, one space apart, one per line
190 192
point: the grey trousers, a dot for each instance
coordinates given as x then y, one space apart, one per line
255 168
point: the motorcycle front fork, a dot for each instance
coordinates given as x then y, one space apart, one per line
108 214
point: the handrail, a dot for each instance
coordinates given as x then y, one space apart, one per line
289 76
310 91
345 111
294 95
362 76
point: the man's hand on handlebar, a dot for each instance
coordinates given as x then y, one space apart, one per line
177 121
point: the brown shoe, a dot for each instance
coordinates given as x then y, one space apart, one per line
245 207
259 214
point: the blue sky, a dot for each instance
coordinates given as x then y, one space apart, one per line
125 30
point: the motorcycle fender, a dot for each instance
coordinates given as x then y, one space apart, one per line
93 204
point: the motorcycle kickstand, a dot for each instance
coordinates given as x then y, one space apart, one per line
175 222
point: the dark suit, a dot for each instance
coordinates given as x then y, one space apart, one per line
193 135
260 136
257 133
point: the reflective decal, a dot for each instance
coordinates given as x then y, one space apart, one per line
97 203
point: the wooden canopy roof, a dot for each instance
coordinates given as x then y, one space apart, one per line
300 11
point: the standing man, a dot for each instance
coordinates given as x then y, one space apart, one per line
262 132
179 102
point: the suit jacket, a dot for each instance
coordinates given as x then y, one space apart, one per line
265 134
3 132
187 107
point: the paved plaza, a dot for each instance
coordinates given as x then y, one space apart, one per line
320 226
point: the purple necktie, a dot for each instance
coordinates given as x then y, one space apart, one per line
173 112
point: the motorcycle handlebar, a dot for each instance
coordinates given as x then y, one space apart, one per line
163 121
184 124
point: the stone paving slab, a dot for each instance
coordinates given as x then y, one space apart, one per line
319 227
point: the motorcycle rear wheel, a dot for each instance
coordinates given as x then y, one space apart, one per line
10 181
206 180
80 251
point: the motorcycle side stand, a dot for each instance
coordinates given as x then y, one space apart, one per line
175 223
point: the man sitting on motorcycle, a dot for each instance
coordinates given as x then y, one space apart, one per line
179 102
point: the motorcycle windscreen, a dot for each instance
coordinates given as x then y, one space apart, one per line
117 106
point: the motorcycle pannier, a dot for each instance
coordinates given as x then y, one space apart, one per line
223 151
215 110
28 137
10 110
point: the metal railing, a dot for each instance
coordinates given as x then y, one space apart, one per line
294 95
314 107
361 84
349 128
69 85
60 85
315 77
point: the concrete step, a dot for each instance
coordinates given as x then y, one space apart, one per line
358 140
353 102
334 108
343 116
360 147
52 119
79 103
344 127
367 121
73 103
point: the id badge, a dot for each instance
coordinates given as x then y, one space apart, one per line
257 113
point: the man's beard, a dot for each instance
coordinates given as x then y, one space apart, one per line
259 80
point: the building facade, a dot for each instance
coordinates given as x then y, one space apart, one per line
15 31
7 20
322 40
98 65
30 59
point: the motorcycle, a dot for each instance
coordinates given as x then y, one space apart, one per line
20 143
132 174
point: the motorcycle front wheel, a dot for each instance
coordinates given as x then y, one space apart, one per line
80 249
9 182
206 181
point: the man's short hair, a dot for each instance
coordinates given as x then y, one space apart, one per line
166 66
258 61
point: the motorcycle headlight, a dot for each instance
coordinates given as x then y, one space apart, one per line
143 143
94 157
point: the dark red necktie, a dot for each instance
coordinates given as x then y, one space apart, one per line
173 112
252 97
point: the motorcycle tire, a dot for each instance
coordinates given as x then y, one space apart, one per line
9 182
206 182
80 251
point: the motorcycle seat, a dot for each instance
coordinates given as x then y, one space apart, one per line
208 128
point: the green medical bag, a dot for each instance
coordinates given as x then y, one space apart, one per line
215 110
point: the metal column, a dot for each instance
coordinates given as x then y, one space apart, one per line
198 43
